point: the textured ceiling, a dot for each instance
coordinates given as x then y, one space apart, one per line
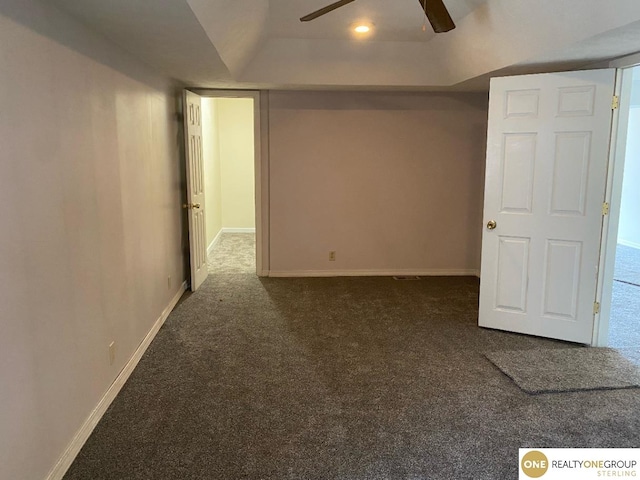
262 43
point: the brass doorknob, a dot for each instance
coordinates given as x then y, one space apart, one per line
491 224
191 205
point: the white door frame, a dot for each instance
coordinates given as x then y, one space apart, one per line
261 164
613 197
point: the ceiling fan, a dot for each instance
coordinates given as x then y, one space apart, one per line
435 10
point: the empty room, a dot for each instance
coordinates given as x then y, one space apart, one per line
305 239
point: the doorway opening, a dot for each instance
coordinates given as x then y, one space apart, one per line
624 323
229 175
624 285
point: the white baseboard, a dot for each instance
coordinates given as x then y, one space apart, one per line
628 244
82 435
375 273
214 242
238 230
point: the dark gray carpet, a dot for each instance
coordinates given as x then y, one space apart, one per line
567 369
631 354
624 324
627 268
234 253
337 378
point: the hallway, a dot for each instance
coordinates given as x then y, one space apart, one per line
235 253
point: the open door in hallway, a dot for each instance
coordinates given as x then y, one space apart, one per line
547 156
195 189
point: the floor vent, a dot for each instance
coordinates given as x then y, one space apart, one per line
405 277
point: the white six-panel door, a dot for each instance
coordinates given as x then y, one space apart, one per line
547 154
195 189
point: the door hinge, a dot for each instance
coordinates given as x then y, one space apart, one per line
605 209
615 104
596 308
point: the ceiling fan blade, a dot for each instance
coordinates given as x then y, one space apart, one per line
438 15
325 10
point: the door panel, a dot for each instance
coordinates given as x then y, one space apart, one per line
522 103
570 173
519 153
513 269
547 152
562 279
195 189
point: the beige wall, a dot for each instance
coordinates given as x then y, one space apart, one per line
90 205
235 133
390 181
212 177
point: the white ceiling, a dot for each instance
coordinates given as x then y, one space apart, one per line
262 43
393 20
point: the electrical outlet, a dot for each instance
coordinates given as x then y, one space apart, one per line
169 282
112 353
332 256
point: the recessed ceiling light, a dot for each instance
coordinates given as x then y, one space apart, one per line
362 29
